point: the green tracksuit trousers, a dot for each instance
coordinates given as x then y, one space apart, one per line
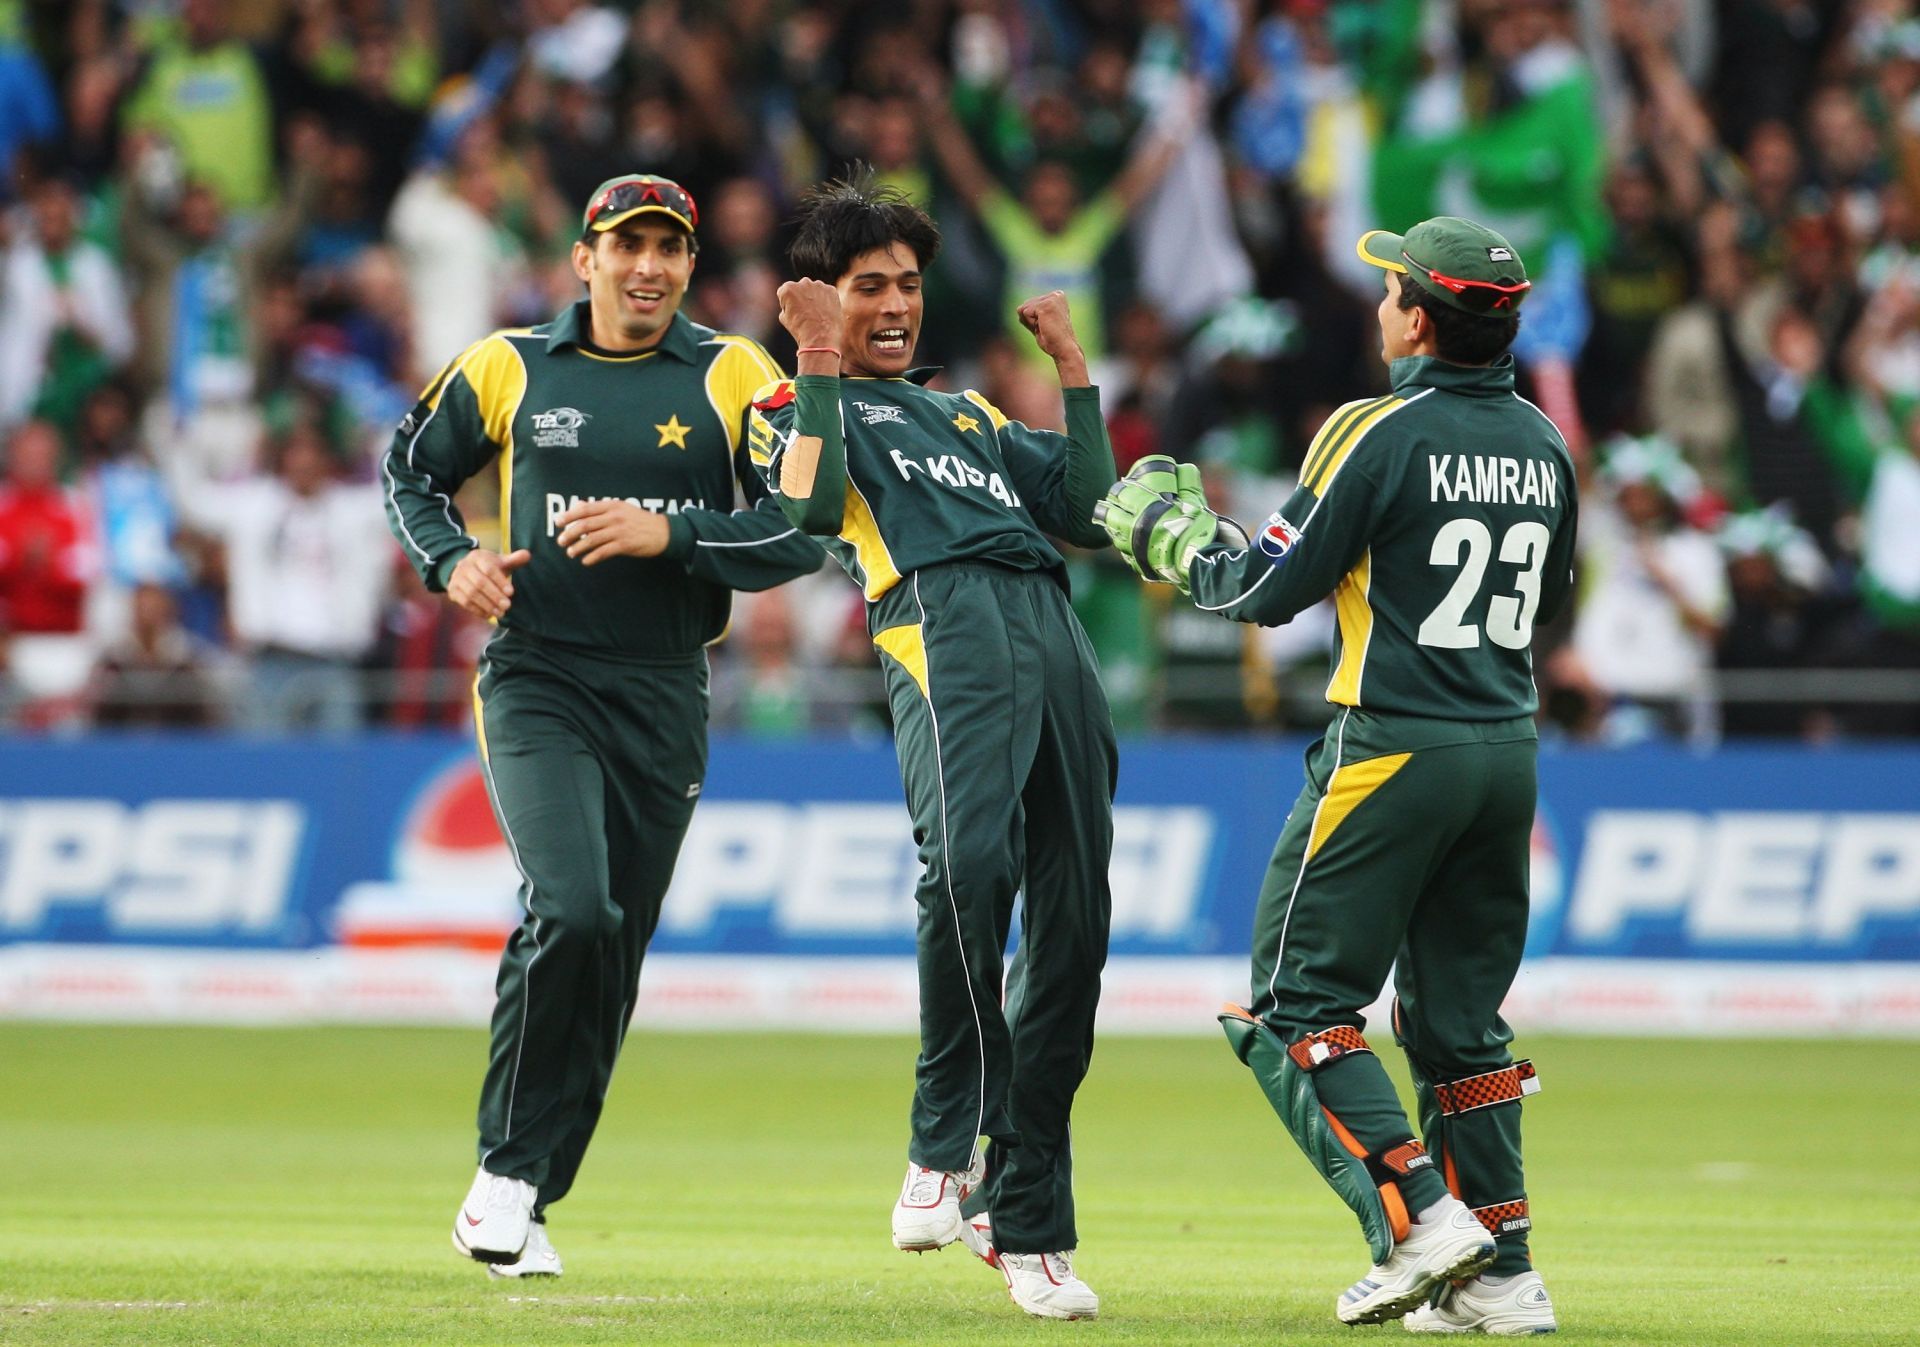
1408 850
1007 755
594 762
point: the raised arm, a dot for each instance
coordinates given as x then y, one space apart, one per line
807 458
1163 143
959 161
1061 477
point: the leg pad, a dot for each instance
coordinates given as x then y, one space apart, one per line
1366 1181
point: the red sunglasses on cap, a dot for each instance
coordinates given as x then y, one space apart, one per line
621 199
1484 295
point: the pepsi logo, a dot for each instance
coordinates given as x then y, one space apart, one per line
1277 536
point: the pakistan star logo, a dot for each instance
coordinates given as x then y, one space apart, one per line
672 433
963 423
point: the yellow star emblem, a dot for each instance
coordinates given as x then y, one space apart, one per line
963 423
672 433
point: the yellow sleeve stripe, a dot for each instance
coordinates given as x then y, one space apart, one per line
761 436
994 414
1337 451
1347 791
1331 432
498 377
737 373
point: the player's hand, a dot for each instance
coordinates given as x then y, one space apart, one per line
483 581
810 311
1046 316
597 529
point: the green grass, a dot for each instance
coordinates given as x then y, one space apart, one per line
214 1186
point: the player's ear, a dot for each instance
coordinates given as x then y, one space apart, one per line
582 262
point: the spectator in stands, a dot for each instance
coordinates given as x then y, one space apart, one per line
1776 621
307 563
1642 275
770 698
428 648
205 95
1050 238
64 313
461 266
132 509
203 282
1655 596
29 108
48 562
740 266
156 677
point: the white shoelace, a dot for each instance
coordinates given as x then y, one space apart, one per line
924 1187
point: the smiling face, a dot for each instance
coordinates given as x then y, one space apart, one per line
636 276
880 311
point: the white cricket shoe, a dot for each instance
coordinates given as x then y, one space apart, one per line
493 1221
1451 1245
927 1214
976 1232
538 1259
1516 1308
1044 1284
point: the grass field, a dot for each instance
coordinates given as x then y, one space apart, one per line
214 1186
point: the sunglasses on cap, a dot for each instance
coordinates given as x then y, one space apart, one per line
618 200
1476 296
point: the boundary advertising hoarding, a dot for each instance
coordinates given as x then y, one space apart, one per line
1750 890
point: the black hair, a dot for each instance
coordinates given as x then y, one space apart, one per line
842 219
1460 337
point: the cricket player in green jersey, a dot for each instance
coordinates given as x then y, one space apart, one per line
619 431
939 507
1441 519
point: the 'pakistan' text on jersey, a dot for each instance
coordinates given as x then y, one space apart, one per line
660 428
937 477
1441 518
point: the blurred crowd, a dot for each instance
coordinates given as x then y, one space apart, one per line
237 237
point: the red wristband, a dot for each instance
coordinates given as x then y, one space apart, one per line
833 351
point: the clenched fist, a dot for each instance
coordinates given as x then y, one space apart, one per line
1047 318
810 310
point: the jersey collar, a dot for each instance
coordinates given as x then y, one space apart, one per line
571 325
1474 381
919 374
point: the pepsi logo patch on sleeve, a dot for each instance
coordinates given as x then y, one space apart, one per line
1276 537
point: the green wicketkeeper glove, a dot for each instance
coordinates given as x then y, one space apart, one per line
1158 518
1135 504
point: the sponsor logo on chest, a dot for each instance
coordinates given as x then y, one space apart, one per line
558 427
873 414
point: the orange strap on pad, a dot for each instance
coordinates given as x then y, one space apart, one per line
1507 1085
1505 1218
1326 1047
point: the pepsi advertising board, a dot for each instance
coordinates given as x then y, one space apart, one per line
1668 885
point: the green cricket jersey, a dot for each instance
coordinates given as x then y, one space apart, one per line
661 429
910 477
1441 518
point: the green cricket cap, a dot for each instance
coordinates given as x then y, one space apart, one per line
620 199
1460 263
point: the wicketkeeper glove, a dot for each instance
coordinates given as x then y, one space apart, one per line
1158 518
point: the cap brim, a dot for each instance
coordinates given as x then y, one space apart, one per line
605 223
1381 249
